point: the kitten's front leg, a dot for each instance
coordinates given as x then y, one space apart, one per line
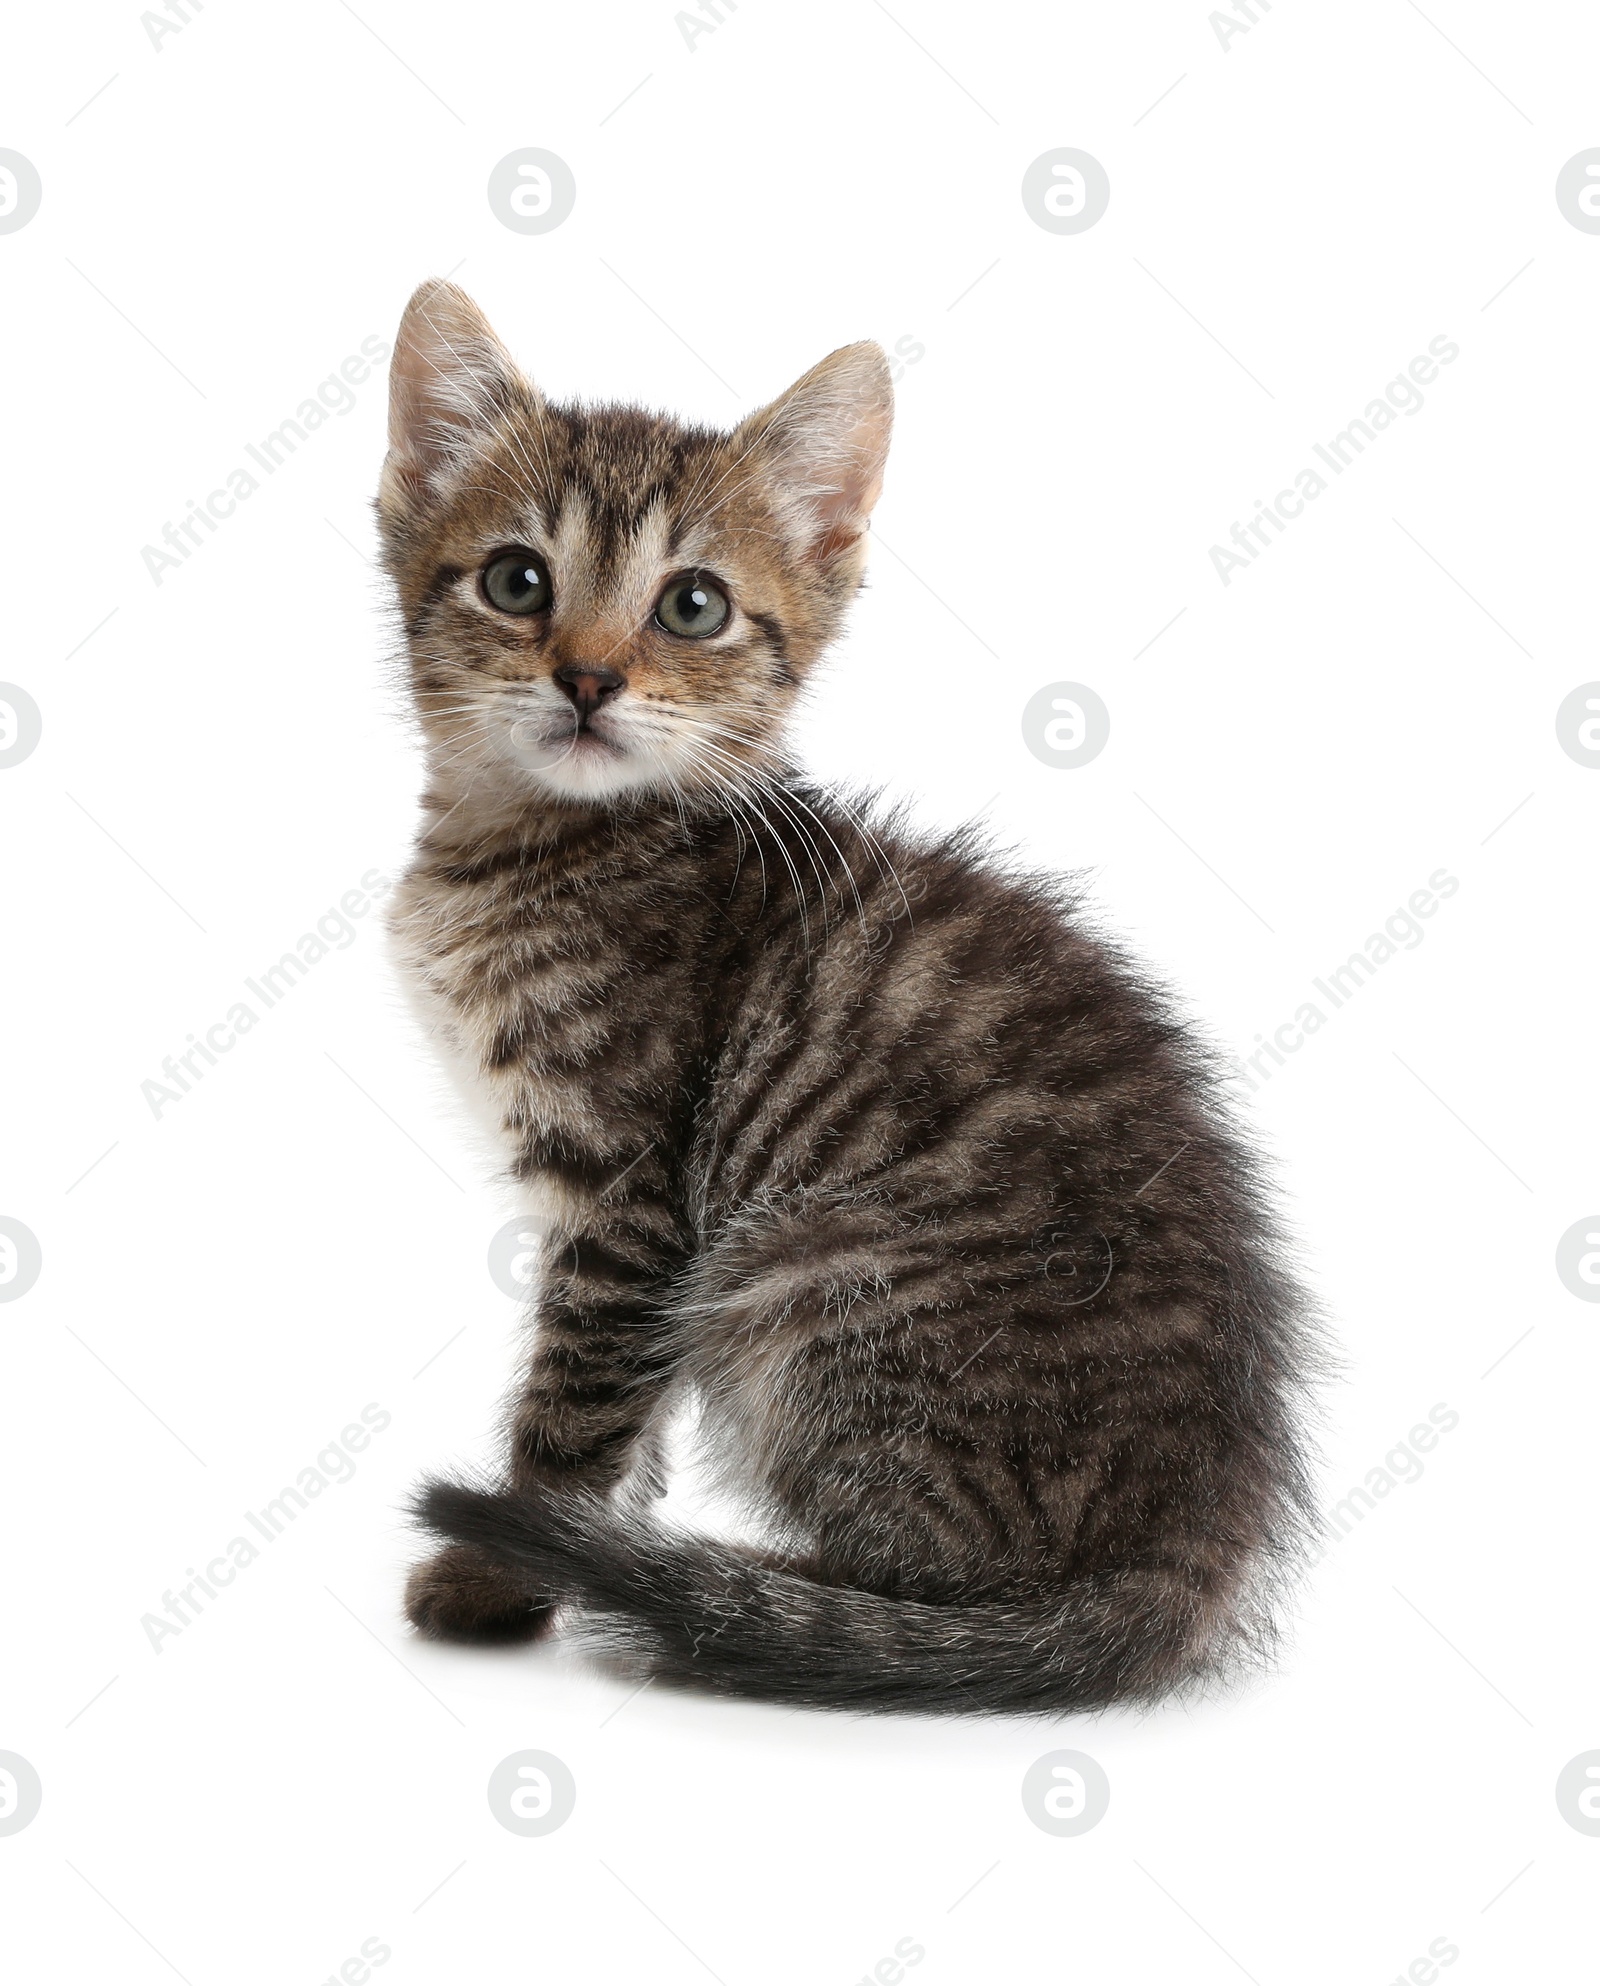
461 1594
601 1361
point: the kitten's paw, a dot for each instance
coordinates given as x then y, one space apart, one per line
461 1594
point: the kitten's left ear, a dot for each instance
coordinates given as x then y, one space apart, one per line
824 442
451 382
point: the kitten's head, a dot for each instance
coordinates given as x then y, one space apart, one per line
600 601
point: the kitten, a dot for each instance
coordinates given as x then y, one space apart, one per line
854 1137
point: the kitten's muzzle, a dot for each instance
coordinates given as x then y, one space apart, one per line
588 685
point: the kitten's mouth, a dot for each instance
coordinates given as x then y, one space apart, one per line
540 746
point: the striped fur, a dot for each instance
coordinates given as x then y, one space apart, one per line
861 1139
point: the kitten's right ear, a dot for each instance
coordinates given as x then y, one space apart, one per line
451 382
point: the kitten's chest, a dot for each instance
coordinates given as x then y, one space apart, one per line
561 999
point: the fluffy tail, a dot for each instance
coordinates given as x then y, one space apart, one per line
697 1611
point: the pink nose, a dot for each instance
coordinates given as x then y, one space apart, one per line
589 684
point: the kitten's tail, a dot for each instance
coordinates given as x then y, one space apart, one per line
694 1610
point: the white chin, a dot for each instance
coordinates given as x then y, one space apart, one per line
584 768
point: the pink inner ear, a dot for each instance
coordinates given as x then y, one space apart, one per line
824 442
842 514
837 538
409 379
436 399
447 379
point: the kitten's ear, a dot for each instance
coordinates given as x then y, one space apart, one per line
450 381
824 444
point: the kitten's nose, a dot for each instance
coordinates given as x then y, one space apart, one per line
589 684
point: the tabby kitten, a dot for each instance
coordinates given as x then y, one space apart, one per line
855 1138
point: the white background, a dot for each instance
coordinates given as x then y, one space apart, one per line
1292 755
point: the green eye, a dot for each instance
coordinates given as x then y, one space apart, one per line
517 583
692 607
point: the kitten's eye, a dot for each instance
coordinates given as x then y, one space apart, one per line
692 607
517 583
